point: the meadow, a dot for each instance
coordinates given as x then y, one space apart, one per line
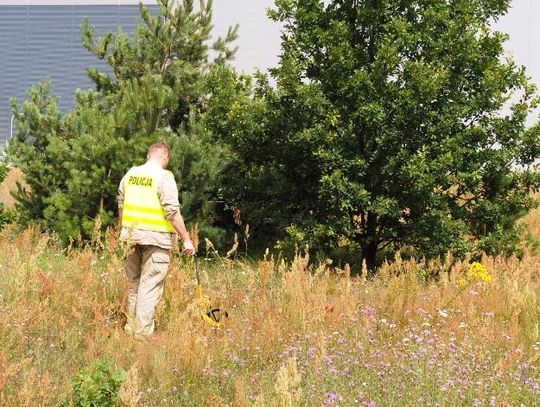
436 333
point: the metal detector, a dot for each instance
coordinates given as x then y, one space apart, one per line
209 314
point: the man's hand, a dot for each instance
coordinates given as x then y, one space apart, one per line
178 223
188 247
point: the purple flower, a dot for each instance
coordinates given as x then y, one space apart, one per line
333 371
233 358
369 311
328 360
226 373
332 398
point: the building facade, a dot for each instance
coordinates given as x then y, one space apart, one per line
42 39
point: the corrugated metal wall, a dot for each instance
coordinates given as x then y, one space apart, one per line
39 41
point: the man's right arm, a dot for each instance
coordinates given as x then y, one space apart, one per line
168 195
178 224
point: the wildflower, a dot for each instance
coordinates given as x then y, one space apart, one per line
462 282
332 398
328 360
478 272
226 373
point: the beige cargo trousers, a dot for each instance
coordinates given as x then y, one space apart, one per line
146 270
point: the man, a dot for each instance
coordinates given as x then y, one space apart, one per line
150 215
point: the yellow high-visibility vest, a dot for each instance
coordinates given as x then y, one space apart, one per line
142 208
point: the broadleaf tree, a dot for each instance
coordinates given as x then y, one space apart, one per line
392 123
154 90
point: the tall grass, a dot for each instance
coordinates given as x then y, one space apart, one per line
298 334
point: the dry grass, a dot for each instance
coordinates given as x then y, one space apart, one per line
10 184
297 334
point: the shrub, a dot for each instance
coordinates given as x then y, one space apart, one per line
99 386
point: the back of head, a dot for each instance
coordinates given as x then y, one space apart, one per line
159 152
159 149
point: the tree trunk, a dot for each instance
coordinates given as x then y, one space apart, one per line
369 254
369 242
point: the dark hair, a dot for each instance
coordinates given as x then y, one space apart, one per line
160 146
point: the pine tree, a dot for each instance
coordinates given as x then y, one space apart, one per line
156 90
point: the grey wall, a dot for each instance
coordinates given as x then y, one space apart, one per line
521 23
259 37
523 46
39 41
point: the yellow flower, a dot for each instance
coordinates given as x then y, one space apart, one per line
462 282
478 272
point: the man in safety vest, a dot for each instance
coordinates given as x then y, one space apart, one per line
150 215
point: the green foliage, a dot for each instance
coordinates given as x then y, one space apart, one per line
99 386
198 163
393 123
73 162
